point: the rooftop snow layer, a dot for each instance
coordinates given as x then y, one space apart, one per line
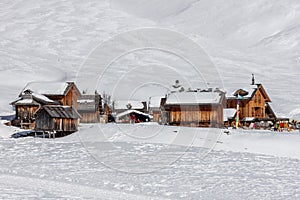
47 88
194 98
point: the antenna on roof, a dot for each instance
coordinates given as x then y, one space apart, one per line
253 80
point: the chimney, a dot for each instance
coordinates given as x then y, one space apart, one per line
253 80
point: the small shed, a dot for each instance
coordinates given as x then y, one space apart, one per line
61 120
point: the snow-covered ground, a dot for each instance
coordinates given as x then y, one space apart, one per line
115 162
53 40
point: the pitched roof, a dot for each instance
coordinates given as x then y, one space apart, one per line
57 111
188 98
49 88
249 91
33 99
127 112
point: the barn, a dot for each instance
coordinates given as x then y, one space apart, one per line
197 108
60 120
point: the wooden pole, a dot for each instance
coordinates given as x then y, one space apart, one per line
237 114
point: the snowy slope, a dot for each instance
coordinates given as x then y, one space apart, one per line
242 37
44 40
51 41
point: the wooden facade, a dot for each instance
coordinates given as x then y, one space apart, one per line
200 113
254 103
25 115
89 107
62 120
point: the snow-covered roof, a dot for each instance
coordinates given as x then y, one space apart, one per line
154 102
42 97
247 88
25 101
228 113
47 88
85 101
127 112
194 98
33 99
122 104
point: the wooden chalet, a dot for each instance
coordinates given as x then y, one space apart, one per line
89 107
254 104
26 106
60 120
36 95
196 108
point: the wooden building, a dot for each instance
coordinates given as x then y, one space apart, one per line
200 109
36 95
89 107
26 106
254 103
60 120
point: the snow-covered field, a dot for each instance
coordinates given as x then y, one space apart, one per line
111 162
54 40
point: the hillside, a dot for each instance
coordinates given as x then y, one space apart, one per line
44 40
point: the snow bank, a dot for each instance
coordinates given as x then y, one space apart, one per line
7 131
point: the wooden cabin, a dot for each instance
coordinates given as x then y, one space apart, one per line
254 103
197 109
89 107
61 120
26 106
36 95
